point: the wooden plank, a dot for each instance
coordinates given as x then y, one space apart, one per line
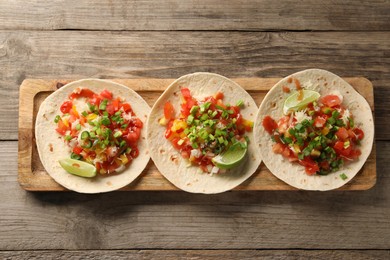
33 177
199 254
179 220
172 54
195 15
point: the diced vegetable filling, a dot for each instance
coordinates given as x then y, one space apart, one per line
321 137
205 128
99 129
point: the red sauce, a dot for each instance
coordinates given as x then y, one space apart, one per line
297 84
269 124
286 89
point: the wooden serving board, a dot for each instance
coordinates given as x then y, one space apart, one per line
33 177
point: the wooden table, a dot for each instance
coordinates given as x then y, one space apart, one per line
166 39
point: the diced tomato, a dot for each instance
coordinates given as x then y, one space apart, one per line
134 152
311 167
66 106
339 148
115 104
132 137
218 95
175 143
186 93
84 92
278 148
126 107
320 121
106 94
110 109
95 100
269 124
342 134
77 149
355 153
83 120
359 133
62 128
169 112
283 124
136 122
324 165
331 100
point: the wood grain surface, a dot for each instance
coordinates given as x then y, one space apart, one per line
179 220
74 54
200 254
166 39
33 177
195 15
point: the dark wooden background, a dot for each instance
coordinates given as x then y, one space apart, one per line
135 39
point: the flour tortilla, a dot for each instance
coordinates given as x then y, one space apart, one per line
292 173
169 161
45 135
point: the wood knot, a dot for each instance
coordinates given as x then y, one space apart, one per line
59 85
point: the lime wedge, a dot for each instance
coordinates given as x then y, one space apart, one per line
293 104
78 168
232 157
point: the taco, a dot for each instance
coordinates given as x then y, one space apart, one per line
93 128
314 131
200 120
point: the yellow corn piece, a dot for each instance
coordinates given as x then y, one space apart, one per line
76 114
124 159
247 123
91 116
118 161
325 131
178 124
65 121
163 121
296 148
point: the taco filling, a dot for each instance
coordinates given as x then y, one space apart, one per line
205 129
99 129
320 135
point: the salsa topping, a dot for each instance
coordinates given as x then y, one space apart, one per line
205 129
99 129
321 135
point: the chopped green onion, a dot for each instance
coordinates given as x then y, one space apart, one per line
103 105
118 134
128 150
214 114
327 110
91 107
68 137
105 121
118 113
301 156
346 144
78 127
75 156
331 121
124 125
85 135
56 119
122 144
343 176
194 109
98 131
351 122
221 140
288 140
190 119
204 117
84 114
92 134
211 137
240 103
335 114
194 145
